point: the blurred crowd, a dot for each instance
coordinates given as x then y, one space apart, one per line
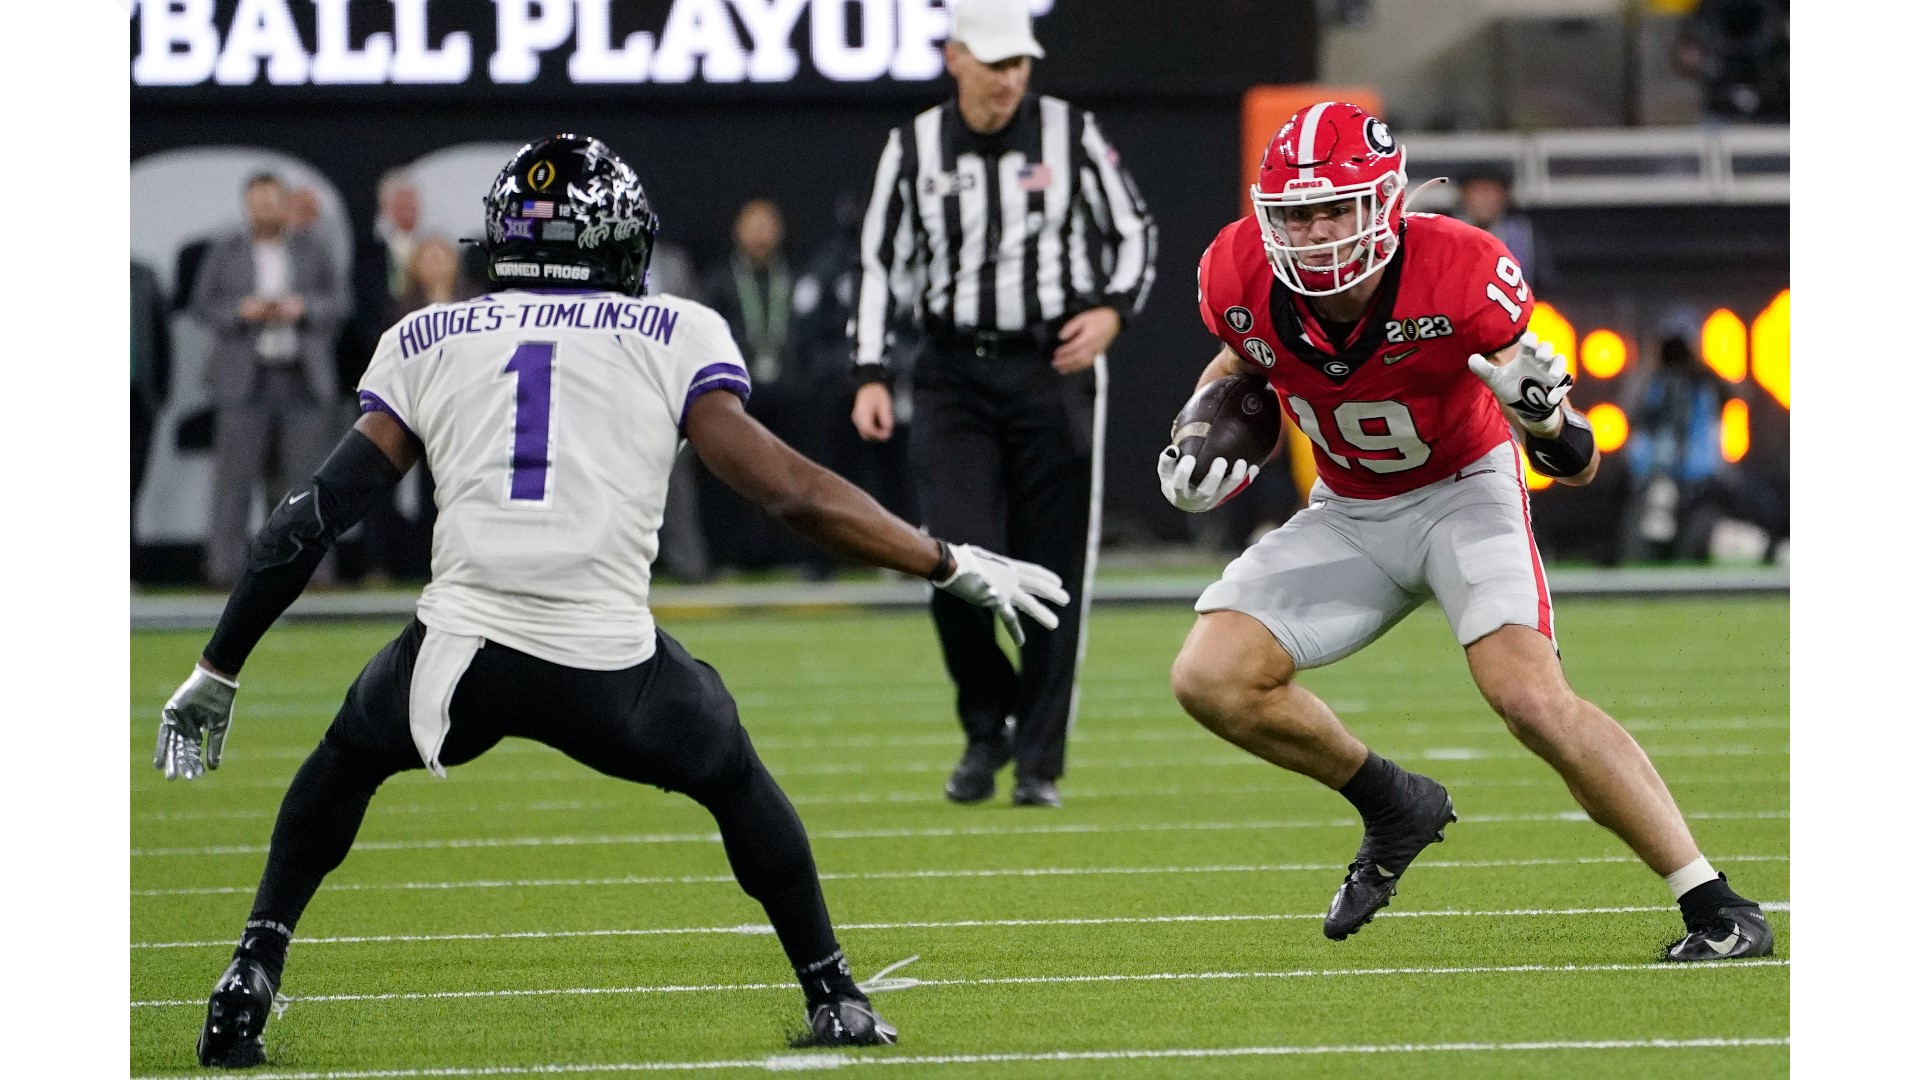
290 341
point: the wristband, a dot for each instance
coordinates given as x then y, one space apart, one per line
1566 454
946 567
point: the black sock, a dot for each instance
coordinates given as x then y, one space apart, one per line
265 941
1376 788
1701 902
827 978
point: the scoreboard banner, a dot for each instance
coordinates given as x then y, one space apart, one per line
238 51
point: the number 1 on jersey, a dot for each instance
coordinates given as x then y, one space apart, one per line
532 363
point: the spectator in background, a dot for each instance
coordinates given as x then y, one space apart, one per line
151 366
303 209
399 527
380 273
683 540
1673 450
1486 201
1738 50
273 304
822 307
753 291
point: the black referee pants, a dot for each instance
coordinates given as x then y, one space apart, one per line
1003 457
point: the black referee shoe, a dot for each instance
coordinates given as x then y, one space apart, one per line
237 1017
972 779
1386 851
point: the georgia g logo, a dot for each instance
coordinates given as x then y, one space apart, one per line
1378 136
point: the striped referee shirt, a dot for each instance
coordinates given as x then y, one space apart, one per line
1028 226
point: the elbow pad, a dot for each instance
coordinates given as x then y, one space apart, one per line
309 521
1566 454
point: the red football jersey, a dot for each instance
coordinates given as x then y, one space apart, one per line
1396 406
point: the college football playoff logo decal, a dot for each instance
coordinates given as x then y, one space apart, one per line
1240 319
1260 351
1378 136
540 177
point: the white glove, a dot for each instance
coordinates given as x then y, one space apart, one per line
197 713
1219 485
1532 384
1004 586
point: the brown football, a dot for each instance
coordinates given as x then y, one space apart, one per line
1237 418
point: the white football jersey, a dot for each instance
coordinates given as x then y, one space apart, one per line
551 420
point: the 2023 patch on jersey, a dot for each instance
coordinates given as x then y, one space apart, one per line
551 420
1395 408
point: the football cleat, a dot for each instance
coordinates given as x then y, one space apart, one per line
1035 792
1386 851
843 1020
1731 933
237 1016
972 779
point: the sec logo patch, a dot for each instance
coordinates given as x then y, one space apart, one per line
1260 351
1240 319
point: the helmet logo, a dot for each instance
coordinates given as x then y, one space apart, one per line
1378 136
1240 319
541 176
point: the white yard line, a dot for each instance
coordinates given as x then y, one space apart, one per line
947 924
1025 980
901 834
808 1062
909 875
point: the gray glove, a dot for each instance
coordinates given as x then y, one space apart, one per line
1004 586
193 725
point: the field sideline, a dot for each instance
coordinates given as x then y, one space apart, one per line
529 917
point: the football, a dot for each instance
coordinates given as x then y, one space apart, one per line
1237 418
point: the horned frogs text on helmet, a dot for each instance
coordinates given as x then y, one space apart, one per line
568 211
1327 153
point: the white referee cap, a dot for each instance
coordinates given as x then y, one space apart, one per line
993 30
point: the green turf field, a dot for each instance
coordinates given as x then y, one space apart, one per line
526 916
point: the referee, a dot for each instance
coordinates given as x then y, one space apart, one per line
1003 221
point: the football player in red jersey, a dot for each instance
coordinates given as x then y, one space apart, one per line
1398 345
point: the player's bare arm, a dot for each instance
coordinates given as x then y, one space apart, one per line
1226 362
298 534
819 505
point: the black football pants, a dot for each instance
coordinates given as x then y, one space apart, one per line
1003 457
668 722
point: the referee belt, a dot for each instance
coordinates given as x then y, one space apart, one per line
989 344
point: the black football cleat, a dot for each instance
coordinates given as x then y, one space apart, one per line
237 1017
1386 851
844 1020
972 779
1035 792
1731 933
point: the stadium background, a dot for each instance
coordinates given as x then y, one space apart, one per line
1654 212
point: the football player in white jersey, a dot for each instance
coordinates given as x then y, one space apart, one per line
550 413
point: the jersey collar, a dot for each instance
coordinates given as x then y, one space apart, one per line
1339 364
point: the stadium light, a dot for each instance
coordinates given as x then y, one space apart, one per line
1770 349
1609 426
1723 345
1535 481
1603 354
1552 327
1734 436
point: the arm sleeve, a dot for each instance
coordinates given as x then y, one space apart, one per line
387 385
886 246
705 360
1496 300
291 544
1126 226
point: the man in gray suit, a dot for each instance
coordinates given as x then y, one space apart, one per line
274 303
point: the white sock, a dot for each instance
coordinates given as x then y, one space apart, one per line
1697 872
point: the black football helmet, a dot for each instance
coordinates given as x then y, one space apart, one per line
568 211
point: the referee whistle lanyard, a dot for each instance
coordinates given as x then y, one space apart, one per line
764 317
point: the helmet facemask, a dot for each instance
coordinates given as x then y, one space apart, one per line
1348 260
